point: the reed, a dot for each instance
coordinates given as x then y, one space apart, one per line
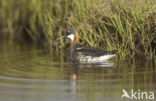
128 26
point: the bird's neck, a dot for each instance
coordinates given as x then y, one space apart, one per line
76 40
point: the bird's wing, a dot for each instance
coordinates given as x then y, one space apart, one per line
91 51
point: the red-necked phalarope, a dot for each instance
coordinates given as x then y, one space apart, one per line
81 53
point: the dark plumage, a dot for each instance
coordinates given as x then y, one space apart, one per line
80 49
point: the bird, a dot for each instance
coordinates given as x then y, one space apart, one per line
85 54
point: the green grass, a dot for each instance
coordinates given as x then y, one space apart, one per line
127 26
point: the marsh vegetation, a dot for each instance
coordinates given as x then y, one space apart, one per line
127 26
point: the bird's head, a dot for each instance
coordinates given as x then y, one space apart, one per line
70 32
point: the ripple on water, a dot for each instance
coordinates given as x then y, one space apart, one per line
36 75
25 76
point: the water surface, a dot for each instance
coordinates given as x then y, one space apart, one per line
29 73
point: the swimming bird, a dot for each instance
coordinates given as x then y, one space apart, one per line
81 53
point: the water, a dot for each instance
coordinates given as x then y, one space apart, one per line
28 73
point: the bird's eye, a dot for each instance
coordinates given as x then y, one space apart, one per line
68 31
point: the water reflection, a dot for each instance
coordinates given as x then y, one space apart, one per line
97 64
32 74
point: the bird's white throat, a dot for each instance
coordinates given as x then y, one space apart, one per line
71 36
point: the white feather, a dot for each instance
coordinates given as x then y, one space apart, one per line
71 36
83 58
